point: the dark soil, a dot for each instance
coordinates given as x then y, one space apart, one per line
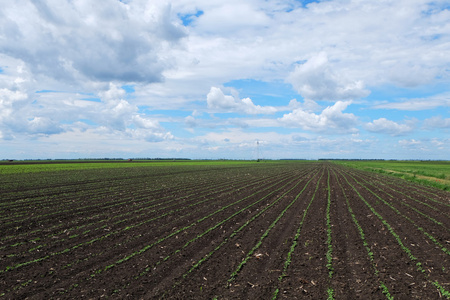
183 233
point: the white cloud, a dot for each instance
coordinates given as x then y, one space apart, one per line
411 142
16 119
386 126
57 54
437 122
118 114
79 54
330 120
440 144
417 104
51 113
394 43
146 123
112 93
231 17
102 41
43 125
149 135
218 101
9 99
316 80
190 121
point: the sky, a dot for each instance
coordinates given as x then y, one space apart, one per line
202 79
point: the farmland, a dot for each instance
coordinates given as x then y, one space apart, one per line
220 230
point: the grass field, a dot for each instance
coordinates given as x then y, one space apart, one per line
433 173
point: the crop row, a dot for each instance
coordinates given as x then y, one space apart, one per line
288 260
409 253
425 216
142 207
292 230
266 192
203 195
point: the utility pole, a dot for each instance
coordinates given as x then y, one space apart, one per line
257 150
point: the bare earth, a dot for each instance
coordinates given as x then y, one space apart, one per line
227 233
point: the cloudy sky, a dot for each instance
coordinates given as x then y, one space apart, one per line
225 79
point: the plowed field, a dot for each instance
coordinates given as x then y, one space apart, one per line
270 230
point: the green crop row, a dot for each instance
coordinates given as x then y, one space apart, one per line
329 254
420 190
444 249
394 234
263 236
217 225
135 202
362 235
102 237
235 232
288 260
230 187
149 246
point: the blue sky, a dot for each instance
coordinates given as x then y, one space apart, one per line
211 79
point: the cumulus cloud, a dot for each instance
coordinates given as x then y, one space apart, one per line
143 122
149 135
426 145
396 43
117 114
190 121
218 101
58 57
9 99
78 40
414 145
437 122
120 115
316 80
149 130
43 125
16 118
441 144
386 126
330 120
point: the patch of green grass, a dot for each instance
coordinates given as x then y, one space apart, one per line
431 173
